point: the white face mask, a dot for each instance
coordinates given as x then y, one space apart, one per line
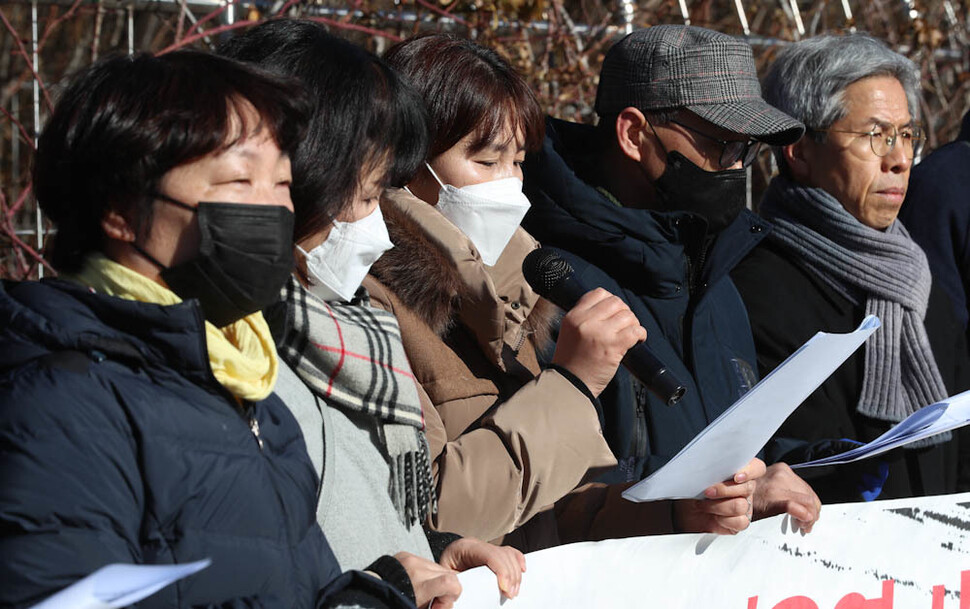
488 213
337 266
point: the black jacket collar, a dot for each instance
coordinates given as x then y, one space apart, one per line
645 250
56 315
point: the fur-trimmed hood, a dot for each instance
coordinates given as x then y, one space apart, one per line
435 270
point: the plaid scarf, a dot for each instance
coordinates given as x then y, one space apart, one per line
351 356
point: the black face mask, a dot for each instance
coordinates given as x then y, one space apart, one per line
716 196
244 258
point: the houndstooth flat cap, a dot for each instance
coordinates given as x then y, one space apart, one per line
679 66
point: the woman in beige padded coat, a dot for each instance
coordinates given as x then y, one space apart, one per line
512 443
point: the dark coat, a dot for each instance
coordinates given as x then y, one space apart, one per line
937 214
788 304
117 444
698 326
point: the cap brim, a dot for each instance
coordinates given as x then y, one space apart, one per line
754 118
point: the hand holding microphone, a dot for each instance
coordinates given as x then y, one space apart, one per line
594 336
599 331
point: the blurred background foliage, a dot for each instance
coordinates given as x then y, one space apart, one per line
557 44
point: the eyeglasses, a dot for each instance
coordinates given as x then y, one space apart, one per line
745 151
883 138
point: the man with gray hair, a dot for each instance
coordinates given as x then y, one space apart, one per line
650 205
837 253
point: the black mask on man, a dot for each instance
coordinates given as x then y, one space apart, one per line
245 256
716 196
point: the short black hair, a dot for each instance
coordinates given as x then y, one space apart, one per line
364 114
467 88
122 123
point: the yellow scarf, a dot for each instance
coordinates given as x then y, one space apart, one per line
242 355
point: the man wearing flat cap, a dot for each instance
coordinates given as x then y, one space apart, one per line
650 205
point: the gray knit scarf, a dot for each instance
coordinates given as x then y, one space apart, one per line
351 356
886 269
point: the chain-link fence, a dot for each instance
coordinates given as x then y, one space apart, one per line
557 44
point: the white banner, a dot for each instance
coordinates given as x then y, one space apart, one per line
903 554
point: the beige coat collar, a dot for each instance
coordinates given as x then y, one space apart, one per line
436 270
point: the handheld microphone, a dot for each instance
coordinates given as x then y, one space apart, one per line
553 278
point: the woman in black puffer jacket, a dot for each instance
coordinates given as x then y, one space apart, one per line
137 420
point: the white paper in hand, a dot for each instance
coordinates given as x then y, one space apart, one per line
951 413
119 585
735 437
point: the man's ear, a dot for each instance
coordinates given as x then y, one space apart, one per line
630 124
116 226
797 158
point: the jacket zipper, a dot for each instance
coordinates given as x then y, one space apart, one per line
250 416
254 427
640 437
520 339
692 298
695 269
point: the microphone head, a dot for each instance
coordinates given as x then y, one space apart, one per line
544 269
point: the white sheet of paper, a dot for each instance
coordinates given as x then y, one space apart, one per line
119 585
951 413
735 437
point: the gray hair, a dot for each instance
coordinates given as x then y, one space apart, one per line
808 79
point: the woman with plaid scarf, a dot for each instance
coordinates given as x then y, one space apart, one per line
347 379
